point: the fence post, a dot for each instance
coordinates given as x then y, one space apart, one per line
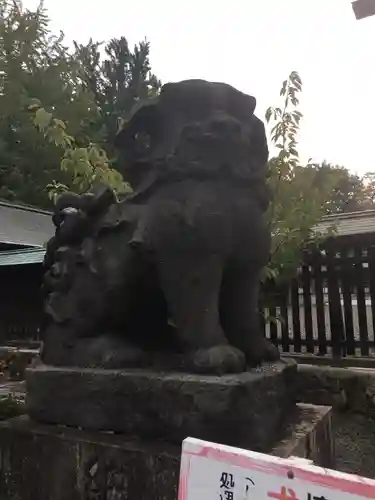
307 309
318 276
284 303
294 290
347 283
371 270
335 311
361 301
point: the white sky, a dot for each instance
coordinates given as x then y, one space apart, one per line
253 45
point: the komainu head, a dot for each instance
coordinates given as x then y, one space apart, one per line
195 128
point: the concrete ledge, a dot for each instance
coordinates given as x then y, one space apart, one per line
18 360
48 462
309 435
345 362
351 389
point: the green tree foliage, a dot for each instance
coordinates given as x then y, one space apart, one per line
86 166
117 82
32 62
303 194
349 193
300 192
59 112
77 96
369 188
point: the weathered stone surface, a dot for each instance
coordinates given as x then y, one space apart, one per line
246 409
309 435
45 462
17 360
350 389
188 244
53 463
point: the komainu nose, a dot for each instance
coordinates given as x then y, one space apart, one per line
225 126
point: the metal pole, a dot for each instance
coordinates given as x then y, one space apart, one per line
363 8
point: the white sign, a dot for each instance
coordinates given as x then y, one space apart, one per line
216 472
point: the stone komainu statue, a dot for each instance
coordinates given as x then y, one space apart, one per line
169 274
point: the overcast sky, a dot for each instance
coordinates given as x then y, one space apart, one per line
253 45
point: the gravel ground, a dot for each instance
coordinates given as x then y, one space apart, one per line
355 443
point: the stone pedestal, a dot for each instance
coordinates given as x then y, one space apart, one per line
50 462
105 435
246 410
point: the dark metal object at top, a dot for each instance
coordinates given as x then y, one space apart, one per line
169 276
363 8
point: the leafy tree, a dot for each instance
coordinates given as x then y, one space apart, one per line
349 191
86 165
369 189
72 89
303 194
117 82
33 63
300 196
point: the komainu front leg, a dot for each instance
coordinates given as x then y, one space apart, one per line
240 315
191 284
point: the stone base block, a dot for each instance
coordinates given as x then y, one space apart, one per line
309 434
48 462
247 409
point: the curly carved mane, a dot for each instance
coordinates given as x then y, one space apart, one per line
195 130
116 271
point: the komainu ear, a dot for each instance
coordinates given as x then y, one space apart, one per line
259 141
144 120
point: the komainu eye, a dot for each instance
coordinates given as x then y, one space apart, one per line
142 142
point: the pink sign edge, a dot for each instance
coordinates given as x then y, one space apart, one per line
319 476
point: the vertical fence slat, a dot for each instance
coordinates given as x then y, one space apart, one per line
306 287
262 322
295 315
335 313
371 263
343 275
284 302
347 289
273 325
319 302
361 301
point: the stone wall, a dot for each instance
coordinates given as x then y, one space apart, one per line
351 389
57 463
50 462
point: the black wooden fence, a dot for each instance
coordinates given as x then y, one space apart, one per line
20 303
329 309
